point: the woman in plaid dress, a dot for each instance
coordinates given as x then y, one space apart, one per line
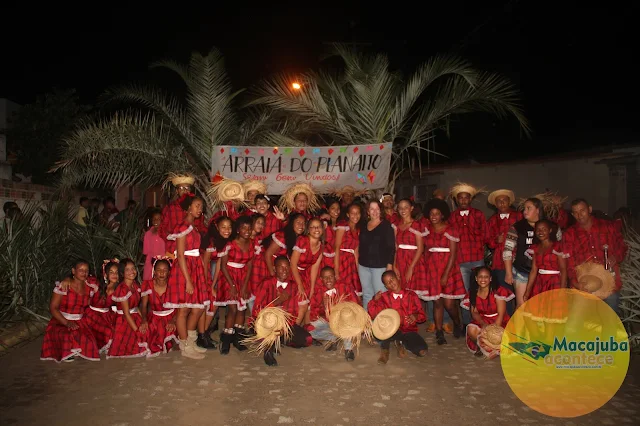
99 316
282 242
130 333
161 322
259 270
444 281
305 260
66 335
187 285
488 304
330 228
410 263
345 262
233 286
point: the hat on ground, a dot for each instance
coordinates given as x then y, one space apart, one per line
271 324
502 193
349 321
385 324
594 279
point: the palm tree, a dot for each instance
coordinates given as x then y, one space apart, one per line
369 104
166 135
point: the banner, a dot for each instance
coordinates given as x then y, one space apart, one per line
325 168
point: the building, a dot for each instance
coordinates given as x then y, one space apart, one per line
608 178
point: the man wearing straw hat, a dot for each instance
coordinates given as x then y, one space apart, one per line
497 228
251 189
409 308
472 225
172 213
388 204
595 240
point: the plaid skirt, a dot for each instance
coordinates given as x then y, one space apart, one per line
61 343
177 291
349 271
126 342
224 288
258 273
418 281
101 325
435 266
159 339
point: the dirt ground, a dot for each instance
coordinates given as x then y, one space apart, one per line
311 386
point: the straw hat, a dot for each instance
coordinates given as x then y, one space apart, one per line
551 203
385 324
178 179
286 202
502 193
254 185
492 336
464 187
271 324
594 279
348 189
349 321
227 190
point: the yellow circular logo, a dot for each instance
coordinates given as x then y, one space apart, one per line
565 353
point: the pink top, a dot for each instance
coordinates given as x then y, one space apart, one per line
153 246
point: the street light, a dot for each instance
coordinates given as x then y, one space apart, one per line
296 86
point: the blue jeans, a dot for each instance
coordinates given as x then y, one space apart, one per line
323 332
371 280
498 276
446 317
614 302
466 269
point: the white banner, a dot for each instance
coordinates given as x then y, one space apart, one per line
325 168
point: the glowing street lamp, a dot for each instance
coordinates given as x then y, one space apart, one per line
296 86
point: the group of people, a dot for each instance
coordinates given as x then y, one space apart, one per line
308 260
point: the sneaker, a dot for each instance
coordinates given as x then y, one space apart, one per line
440 340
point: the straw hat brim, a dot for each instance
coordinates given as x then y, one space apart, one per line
287 201
590 271
492 336
386 324
348 189
270 325
464 187
227 190
551 204
502 193
177 179
254 185
358 323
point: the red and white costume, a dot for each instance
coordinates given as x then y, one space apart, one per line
549 307
348 268
472 232
270 290
406 246
100 318
259 270
498 225
237 261
437 252
172 216
126 342
306 261
488 309
178 296
61 343
406 302
159 339
323 298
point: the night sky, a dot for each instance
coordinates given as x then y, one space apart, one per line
574 64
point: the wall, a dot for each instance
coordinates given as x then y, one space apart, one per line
25 192
572 178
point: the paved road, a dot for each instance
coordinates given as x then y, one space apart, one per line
448 387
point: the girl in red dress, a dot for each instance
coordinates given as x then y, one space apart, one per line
67 336
488 303
410 262
219 234
236 263
160 322
282 242
99 316
305 260
345 262
444 281
257 273
330 228
273 221
130 334
188 290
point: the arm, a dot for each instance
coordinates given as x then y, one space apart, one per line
510 246
127 314
532 279
389 239
54 308
245 282
453 252
268 257
182 263
225 272
492 234
567 249
295 258
501 305
478 318
314 274
336 260
206 261
562 266
416 258
144 304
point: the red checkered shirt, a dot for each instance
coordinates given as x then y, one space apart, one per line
318 306
405 302
473 234
172 217
583 245
269 291
498 225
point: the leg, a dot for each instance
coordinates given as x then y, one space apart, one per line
376 275
498 276
415 343
384 347
438 314
466 271
614 302
300 338
204 337
520 288
190 317
230 318
453 306
302 313
181 323
367 286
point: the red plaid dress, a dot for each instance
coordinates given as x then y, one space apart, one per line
498 225
259 270
306 261
329 251
126 342
323 297
172 216
405 302
348 268
237 261
548 306
488 309
270 290
158 317
436 248
406 246
101 319
271 225
61 343
393 219
178 296
562 220
472 228
214 258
